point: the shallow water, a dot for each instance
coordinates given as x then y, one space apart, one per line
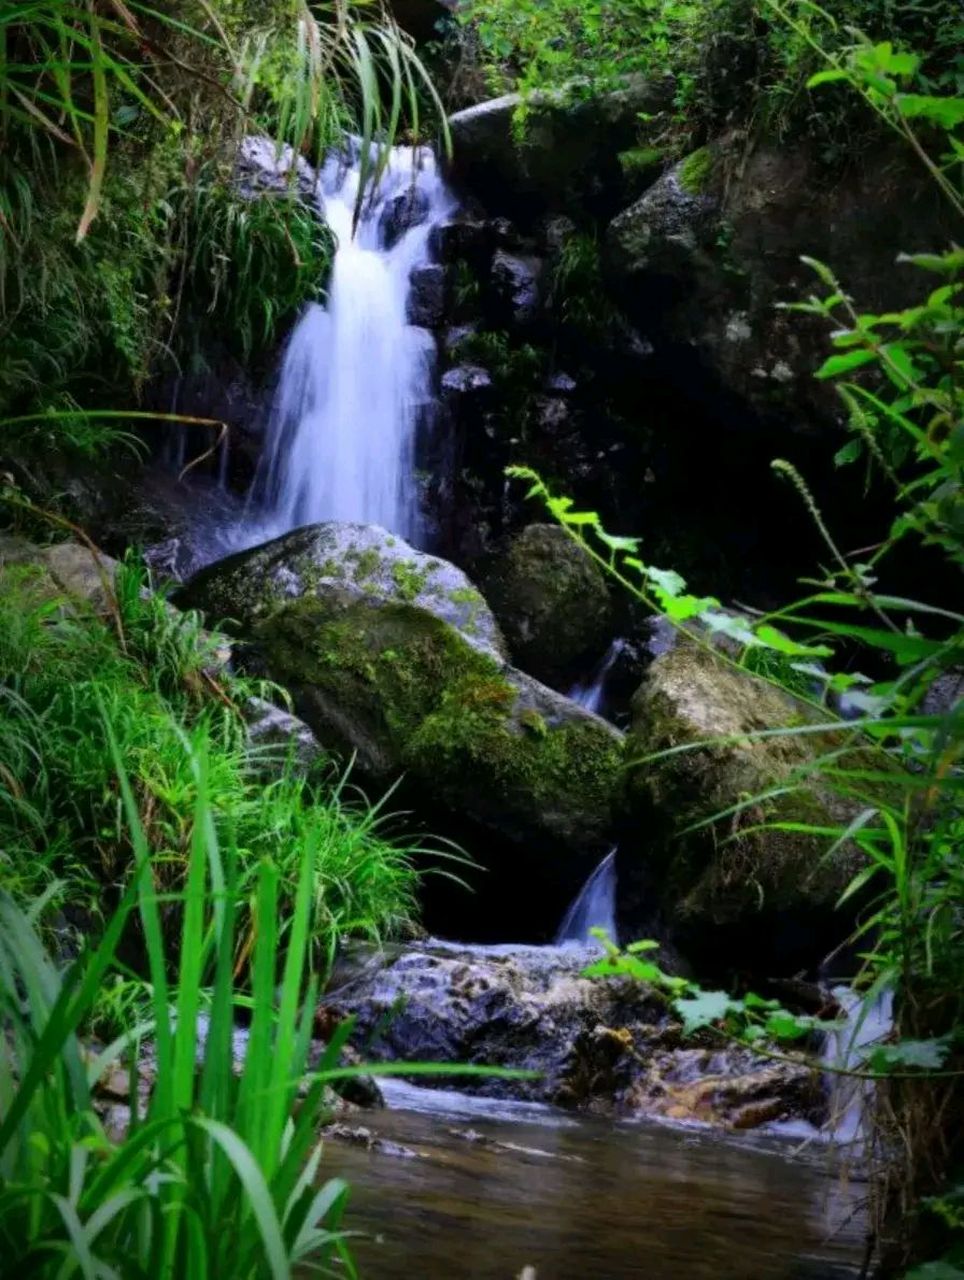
487 1188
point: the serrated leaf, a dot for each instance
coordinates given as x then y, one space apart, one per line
850 452
779 642
928 1055
947 113
834 366
705 1009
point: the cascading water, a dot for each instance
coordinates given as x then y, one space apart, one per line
862 1027
594 906
341 436
591 696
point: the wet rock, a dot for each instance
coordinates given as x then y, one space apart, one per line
271 726
401 214
665 232
262 166
466 379
568 157
552 602
561 384
393 656
356 561
772 894
464 239
600 1044
516 283
426 299
361 1136
711 248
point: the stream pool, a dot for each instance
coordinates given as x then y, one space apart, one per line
449 1186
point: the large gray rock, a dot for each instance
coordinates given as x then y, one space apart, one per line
718 243
552 602
567 153
393 657
360 561
603 1044
773 892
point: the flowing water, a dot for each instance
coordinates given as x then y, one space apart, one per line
594 906
340 441
591 695
447 1186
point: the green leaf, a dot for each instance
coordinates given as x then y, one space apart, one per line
667 580
947 113
704 1009
827 77
778 641
928 1055
834 366
850 452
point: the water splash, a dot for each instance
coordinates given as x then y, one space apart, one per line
594 906
341 436
591 696
862 1026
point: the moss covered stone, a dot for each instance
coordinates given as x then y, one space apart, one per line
405 692
552 603
362 559
739 871
694 171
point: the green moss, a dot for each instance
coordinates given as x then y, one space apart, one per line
694 172
422 698
409 579
637 160
367 563
531 719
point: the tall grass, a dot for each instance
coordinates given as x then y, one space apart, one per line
217 1172
159 677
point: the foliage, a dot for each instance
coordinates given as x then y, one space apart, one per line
899 376
158 676
128 119
217 1173
731 60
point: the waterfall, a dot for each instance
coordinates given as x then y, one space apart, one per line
341 435
594 906
591 695
861 1028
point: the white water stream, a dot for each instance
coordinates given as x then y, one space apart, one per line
591 695
341 435
594 906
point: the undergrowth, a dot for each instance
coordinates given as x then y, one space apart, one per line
161 683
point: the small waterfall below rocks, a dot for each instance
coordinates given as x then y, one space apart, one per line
341 435
862 1027
591 695
594 906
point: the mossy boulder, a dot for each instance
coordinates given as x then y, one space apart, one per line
666 231
362 560
393 657
404 691
769 894
552 602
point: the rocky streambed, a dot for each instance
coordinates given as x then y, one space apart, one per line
604 1045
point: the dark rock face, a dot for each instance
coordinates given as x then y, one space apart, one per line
606 1045
516 281
568 156
401 214
718 241
552 602
426 300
